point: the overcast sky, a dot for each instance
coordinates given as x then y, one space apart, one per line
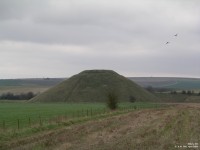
60 38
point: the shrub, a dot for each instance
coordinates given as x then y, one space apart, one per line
184 92
189 92
173 92
22 96
112 100
132 99
150 89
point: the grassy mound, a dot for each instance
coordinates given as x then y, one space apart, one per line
94 86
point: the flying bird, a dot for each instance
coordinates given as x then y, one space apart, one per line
174 35
167 43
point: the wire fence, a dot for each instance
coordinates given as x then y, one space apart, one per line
42 119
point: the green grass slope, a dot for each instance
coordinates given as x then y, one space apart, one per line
93 86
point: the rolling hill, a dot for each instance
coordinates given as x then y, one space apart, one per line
35 85
168 82
93 86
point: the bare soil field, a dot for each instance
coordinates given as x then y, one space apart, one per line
174 127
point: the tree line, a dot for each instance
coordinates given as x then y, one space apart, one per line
186 92
171 91
22 96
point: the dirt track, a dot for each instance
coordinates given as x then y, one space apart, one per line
153 129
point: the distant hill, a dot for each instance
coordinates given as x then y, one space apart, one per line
168 82
36 84
30 82
93 86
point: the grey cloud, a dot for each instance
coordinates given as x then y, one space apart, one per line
126 36
90 22
19 9
86 23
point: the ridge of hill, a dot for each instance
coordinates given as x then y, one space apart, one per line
93 86
30 82
38 85
176 83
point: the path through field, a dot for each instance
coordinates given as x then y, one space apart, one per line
152 129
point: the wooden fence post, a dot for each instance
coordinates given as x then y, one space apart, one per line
4 125
91 112
65 114
40 120
18 124
78 114
29 121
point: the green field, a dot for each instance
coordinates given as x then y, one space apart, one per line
27 114
168 82
152 129
18 86
30 82
40 85
10 113
186 84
